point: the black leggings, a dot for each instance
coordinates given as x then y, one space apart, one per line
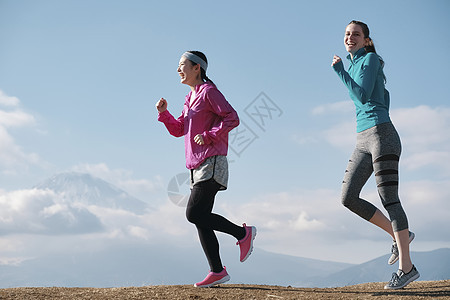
199 212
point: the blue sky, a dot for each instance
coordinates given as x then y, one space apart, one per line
79 81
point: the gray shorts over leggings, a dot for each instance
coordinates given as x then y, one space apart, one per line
377 150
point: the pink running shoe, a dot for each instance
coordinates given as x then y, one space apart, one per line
246 244
213 279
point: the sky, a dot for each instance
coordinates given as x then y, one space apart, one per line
79 81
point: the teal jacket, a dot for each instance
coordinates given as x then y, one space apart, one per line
365 83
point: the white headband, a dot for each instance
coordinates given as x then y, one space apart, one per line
196 59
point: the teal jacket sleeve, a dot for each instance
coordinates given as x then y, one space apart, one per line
362 83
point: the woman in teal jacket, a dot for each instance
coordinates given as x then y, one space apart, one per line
378 148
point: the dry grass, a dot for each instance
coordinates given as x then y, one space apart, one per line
416 290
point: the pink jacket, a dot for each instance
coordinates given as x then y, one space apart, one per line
211 116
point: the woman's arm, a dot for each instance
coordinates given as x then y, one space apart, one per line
174 126
362 86
224 110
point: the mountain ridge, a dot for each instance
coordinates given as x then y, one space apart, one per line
139 264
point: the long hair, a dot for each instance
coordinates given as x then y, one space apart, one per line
202 71
371 46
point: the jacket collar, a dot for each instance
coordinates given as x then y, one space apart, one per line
361 52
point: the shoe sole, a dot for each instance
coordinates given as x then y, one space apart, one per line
221 280
394 261
251 244
405 284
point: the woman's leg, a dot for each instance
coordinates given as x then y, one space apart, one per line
380 220
402 238
199 212
386 160
358 171
387 183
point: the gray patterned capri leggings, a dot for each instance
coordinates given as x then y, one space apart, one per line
377 150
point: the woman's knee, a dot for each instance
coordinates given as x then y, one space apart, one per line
192 215
398 216
348 199
359 206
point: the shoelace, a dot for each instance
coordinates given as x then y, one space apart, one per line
239 242
395 278
245 227
394 249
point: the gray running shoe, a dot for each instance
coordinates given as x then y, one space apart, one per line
399 280
394 250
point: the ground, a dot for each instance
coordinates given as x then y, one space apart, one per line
416 290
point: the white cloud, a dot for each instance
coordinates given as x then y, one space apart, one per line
333 108
13 159
297 222
313 223
426 159
341 136
15 118
304 139
425 201
12 261
6 100
424 131
46 212
425 134
12 155
423 127
37 211
297 210
303 222
139 232
165 225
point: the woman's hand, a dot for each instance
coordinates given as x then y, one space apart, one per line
336 59
161 105
199 139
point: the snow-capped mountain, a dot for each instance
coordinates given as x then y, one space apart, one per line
88 190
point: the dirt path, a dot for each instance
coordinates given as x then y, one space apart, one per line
416 290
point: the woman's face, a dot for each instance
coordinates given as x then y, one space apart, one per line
354 38
188 71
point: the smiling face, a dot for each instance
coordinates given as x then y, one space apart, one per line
189 73
354 38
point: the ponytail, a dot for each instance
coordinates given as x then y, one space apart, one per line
204 77
370 46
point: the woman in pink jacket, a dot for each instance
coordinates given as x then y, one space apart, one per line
205 121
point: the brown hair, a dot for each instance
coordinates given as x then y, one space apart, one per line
370 47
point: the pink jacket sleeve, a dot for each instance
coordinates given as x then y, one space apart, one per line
174 126
228 116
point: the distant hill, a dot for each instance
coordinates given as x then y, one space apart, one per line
432 265
139 265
